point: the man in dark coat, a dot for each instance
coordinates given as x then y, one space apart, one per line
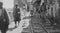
4 20
16 15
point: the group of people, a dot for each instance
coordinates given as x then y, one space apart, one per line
4 19
42 10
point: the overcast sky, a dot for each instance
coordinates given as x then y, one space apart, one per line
8 3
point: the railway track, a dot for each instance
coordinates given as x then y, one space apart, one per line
38 28
35 27
49 28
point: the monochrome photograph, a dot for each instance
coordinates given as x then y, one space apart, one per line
29 16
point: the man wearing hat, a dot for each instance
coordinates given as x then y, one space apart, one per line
16 15
4 20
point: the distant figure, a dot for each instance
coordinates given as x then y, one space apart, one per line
37 4
43 7
4 20
16 15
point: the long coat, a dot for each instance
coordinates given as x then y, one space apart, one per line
4 21
16 14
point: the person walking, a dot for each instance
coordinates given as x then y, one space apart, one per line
4 20
16 15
